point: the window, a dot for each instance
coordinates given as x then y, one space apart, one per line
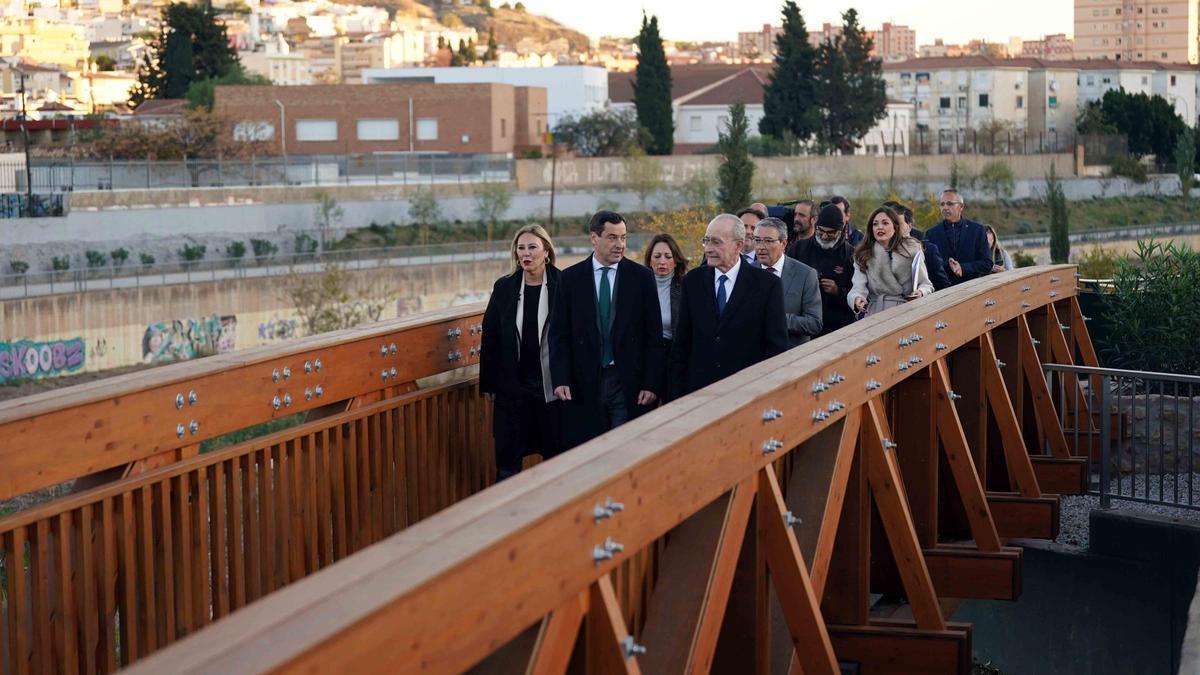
1145 80
962 102
1091 81
427 129
379 130
1020 102
1172 80
694 123
316 130
503 128
944 102
983 100
253 131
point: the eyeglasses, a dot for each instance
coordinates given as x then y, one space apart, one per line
765 240
712 240
827 234
948 204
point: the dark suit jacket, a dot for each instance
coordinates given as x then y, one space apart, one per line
936 265
575 348
801 302
972 251
709 348
500 342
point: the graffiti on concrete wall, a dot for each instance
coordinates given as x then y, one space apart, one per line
26 359
277 329
183 339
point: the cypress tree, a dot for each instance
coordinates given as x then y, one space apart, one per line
789 99
492 52
852 90
652 90
178 69
735 176
1060 242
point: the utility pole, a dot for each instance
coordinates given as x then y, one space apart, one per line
25 140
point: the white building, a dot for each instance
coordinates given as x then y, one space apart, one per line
890 135
570 90
1176 82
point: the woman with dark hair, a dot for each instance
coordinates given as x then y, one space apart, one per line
889 267
664 258
514 364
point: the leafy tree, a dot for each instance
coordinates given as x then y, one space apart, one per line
95 258
201 93
1092 121
1185 162
1060 242
492 201
1149 123
325 302
191 45
199 134
119 256
851 95
602 133
327 214
19 267
178 69
146 259
60 264
789 99
263 250
736 173
104 63
997 179
652 90
235 252
191 254
424 211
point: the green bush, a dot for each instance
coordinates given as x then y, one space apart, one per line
305 246
1022 259
235 251
263 250
146 258
997 179
1128 167
95 259
1098 263
119 256
18 266
60 264
191 254
1151 312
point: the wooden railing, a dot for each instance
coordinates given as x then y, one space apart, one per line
932 417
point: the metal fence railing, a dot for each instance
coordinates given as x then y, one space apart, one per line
1142 431
989 142
135 275
51 175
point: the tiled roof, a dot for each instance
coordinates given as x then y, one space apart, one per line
943 62
161 106
746 86
685 80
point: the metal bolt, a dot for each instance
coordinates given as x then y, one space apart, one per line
1000 364
771 414
819 387
954 396
383 350
790 519
287 372
835 406
915 359
308 367
940 325
989 321
615 506
989 303
194 426
612 546
392 349
275 375
393 371
1054 280
872 385
449 333
308 394
472 329
599 555
178 401
179 430
317 364
1026 289
1063 326
917 337
600 512
450 356
904 342
631 648
383 374
835 379
319 391
193 399
458 356
457 332
904 365
287 400
275 402
1025 305
1087 318
770 445
872 360
1077 276
1053 294
889 444
480 328
941 347
1036 341
472 352
820 416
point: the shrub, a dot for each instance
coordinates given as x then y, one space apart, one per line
997 179
235 251
119 256
60 264
191 254
18 266
146 258
95 259
686 225
1130 168
263 250
1152 317
1098 263
533 153
1023 259
304 246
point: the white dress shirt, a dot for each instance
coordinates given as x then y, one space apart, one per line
612 277
778 265
730 281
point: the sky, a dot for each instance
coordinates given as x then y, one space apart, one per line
956 22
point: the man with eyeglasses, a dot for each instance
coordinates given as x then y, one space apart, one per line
963 242
801 289
830 255
730 314
606 360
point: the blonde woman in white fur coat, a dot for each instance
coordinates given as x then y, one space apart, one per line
889 268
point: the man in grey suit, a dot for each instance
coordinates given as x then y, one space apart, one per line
801 288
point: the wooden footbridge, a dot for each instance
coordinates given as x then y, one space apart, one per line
829 506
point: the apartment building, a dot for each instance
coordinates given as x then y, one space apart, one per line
403 117
1057 47
759 43
41 41
894 43
1176 82
1137 30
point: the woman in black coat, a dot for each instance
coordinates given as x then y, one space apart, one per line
666 260
514 366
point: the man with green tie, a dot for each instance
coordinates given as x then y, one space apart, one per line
606 358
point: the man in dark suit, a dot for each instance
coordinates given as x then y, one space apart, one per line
832 257
606 357
730 315
749 217
801 289
962 241
934 263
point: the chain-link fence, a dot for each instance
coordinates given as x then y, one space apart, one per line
990 142
380 168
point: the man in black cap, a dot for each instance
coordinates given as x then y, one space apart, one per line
831 256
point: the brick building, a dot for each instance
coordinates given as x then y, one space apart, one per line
409 117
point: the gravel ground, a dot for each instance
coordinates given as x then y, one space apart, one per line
1073 524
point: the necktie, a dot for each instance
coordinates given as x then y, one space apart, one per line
604 302
771 270
721 297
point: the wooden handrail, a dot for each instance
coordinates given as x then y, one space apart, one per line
61 435
443 594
